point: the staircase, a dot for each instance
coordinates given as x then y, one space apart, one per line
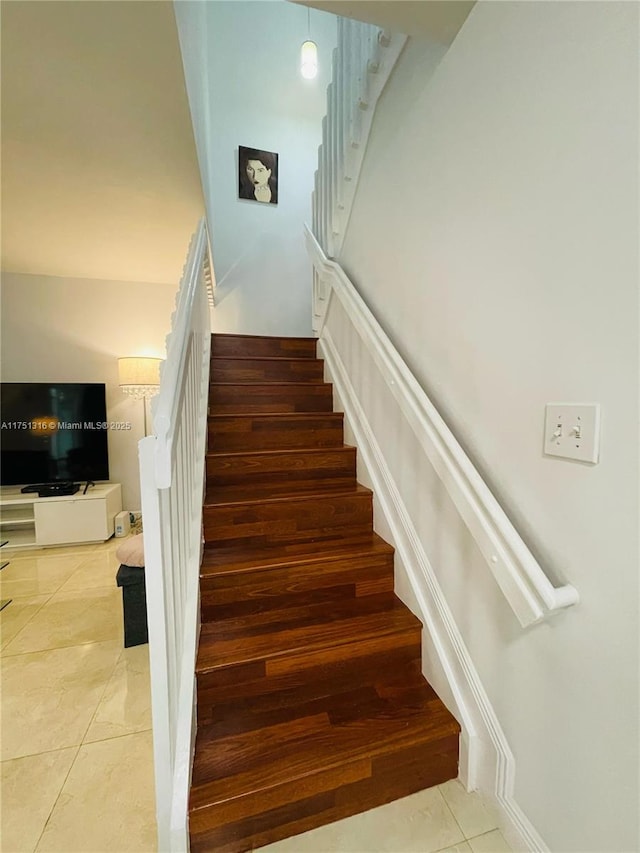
311 702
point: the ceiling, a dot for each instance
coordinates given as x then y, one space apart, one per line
436 20
99 171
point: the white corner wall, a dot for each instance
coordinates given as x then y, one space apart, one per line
74 330
495 237
242 70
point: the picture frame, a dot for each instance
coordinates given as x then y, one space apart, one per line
257 175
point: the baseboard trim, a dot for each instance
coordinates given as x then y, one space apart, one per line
487 763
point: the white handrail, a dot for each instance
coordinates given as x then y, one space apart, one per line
172 485
362 62
518 574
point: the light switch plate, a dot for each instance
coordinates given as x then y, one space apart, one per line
572 430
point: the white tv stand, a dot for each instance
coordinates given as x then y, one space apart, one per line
29 521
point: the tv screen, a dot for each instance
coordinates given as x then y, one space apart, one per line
52 432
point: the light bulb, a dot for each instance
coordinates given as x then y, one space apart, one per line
309 60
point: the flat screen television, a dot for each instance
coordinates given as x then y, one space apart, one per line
52 432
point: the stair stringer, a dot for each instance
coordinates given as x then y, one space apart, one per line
487 763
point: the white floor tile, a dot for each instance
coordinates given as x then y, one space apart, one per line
125 707
37 573
468 809
30 788
420 823
16 615
96 570
72 619
50 697
107 802
490 842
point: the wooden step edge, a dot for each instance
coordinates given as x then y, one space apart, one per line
280 415
310 383
447 728
413 625
277 358
219 454
317 382
298 560
233 336
347 491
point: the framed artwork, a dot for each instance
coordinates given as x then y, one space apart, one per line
257 175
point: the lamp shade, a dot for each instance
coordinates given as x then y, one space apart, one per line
309 60
139 377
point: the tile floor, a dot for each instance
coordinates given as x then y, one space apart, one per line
77 761
77 764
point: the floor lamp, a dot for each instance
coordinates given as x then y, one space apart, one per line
140 378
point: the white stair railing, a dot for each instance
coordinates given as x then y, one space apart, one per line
362 62
172 484
521 579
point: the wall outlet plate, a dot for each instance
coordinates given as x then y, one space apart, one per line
572 431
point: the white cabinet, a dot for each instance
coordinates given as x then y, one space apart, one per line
30 521
17 525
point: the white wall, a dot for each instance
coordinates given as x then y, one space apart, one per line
495 237
74 330
242 71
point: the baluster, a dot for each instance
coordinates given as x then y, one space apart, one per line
319 196
344 116
330 159
354 88
325 192
352 110
323 189
335 148
341 76
366 56
314 206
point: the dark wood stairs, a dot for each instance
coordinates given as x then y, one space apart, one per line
311 702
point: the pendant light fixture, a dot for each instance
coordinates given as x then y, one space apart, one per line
309 54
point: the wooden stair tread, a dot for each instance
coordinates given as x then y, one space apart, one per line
282 470
277 416
317 736
276 358
240 713
222 561
221 454
275 397
238 336
274 633
274 430
270 383
260 368
219 496
260 382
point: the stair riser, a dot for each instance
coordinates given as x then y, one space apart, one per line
287 521
256 820
265 683
261 432
234 345
233 595
295 469
265 370
317 572
342 699
238 399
